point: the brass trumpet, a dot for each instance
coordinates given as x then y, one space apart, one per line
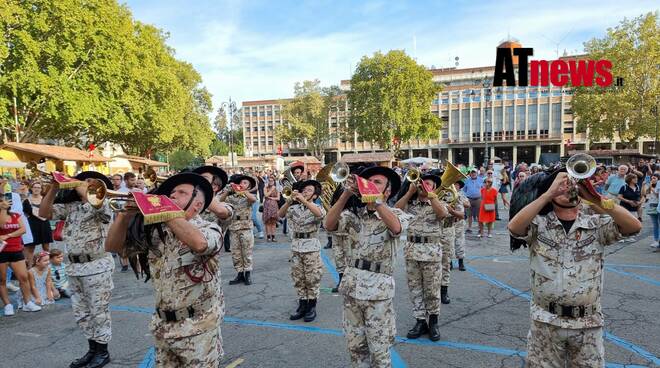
447 192
579 167
413 175
97 192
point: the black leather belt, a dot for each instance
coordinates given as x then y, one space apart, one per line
82 258
571 311
304 235
448 221
363 264
175 315
423 239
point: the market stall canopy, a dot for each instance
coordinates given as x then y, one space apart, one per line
143 161
420 161
377 157
12 164
57 152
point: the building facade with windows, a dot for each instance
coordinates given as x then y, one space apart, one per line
517 124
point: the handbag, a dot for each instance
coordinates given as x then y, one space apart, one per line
59 228
489 207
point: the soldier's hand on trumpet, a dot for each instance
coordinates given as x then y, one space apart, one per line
296 196
350 185
560 186
413 188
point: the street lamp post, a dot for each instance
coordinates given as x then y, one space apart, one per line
486 85
231 111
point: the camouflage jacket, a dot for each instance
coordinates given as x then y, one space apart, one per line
567 269
344 235
242 214
174 289
375 244
85 230
211 217
423 223
301 220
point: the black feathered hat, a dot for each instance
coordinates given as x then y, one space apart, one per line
95 175
237 178
391 175
215 171
193 179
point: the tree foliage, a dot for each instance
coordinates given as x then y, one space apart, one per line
306 117
390 99
630 110
86 72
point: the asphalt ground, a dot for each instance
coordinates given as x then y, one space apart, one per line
485 325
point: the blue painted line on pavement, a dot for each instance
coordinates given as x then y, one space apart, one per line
634 275
149 359
519 258
397 361
284 326
463 346
328 264
611 337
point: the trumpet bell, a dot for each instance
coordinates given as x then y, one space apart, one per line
340 172
287 191
581 166
451 176
413 175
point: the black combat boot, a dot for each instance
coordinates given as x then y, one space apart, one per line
101 357
461 266
310 313
419 329
434 330
300 312
81 362
248 280
336 288
240 277
443 295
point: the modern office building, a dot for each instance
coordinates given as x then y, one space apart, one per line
518 124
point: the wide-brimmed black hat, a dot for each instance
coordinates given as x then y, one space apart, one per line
194 179
95 175
318 189
237 178
436 179
297 165
391 175
215 171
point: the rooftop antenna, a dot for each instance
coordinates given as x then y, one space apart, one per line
557 43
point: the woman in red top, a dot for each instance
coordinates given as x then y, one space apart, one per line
487 213
11 229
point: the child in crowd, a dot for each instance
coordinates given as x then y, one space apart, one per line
58 273
41 285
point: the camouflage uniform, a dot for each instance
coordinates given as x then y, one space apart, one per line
459 230
306 266
423 253
342 241
187 341
369 319
240 232
448 239
567 271
90 266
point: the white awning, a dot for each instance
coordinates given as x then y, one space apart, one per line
12 164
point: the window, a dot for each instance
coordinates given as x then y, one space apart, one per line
497 119
509 118
453 124
544 119
255 129
568 130
254 113
445 134
520 117
532 111
568 111
263 128
476 122
556 119
269 113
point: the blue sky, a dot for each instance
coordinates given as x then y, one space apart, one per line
253 50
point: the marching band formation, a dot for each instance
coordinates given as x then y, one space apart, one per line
367 211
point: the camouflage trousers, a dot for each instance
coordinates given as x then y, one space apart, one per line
306 274
90 300
459 239
242 244
550 346
370 327
339 247
424 280
202 351
447 253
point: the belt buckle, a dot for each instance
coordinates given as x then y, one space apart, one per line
551 308
366 265
170 315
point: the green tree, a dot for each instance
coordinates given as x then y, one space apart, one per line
86 72
182 159
306 117
633 47
390 99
